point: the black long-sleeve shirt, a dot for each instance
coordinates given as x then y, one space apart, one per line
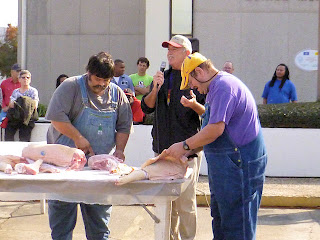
172 122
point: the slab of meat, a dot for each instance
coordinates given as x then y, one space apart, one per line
103 162
159 168
56 154
12 160
6 167
28 168
48 168
8 162
108 163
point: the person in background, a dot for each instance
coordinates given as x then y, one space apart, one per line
94 116
7 87
0 102
233 144
121 79
280 89
175 119
60 79
228 67
141 80
25 123
137 113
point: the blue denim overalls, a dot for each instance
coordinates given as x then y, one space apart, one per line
236 177
99 129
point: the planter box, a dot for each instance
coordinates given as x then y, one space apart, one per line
38 134
292 152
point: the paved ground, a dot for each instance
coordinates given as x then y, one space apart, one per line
280 192
22 220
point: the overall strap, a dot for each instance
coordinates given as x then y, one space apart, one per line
114 95
85 100
81 82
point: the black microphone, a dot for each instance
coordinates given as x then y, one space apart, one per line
163 66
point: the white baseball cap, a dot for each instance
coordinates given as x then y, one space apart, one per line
178 41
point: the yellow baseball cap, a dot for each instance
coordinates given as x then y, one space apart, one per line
189 64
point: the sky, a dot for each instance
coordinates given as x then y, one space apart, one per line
8 12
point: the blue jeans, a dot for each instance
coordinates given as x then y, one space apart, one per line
63 217
236 177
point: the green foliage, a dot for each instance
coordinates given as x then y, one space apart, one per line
290 115
42 109
287 115
8 50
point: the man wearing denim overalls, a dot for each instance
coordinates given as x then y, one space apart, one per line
94 115
233 145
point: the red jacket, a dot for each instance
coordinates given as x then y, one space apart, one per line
137 113
7 87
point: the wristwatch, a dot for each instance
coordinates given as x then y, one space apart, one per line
185 146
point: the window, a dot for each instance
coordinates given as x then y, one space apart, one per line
182 17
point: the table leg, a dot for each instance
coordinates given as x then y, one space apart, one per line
42 206
163 212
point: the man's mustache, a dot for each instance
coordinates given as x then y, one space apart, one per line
99 87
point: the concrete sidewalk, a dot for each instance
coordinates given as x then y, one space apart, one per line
22 220
277 192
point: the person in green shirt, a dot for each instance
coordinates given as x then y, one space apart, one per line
141 80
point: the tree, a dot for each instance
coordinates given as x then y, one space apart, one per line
8 50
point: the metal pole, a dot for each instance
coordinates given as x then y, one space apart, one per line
318 85
24 34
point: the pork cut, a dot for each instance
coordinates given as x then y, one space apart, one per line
8 162
158 168
108 163
103 162
6 167
56 154
31 168
49 168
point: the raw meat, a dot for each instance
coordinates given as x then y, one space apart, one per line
108 163
12 160
56 154
30 169
122 169
103 162
157 168
8 162
48 168
166 169
6 167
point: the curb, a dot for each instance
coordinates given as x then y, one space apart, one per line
273 201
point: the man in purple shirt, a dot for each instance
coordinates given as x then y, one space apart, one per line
233 145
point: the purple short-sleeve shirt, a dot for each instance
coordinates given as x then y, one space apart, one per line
231 102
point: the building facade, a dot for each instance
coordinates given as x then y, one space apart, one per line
58 36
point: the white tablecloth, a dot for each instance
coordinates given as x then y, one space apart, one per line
88 186
91 186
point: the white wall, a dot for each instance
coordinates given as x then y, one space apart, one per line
258 35
157 31
62 35
255 35
291 152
